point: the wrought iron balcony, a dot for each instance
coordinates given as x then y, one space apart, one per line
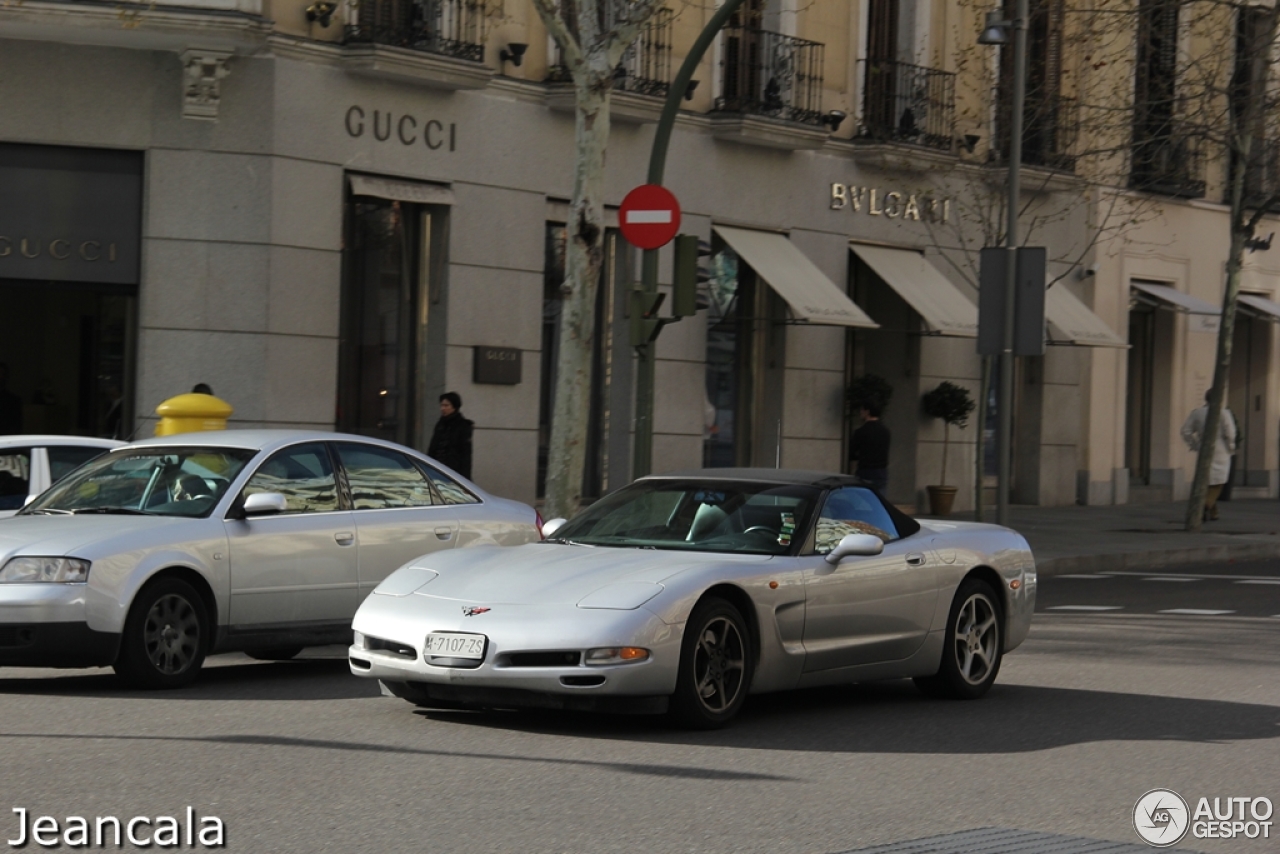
1262 178
770 74
454 28
1170 163
646 66
1050 128
908 104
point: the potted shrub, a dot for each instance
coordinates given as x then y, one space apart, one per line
951 403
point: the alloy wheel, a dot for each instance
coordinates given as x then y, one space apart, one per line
719 664
171 634
977 639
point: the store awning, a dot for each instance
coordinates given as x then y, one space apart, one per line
944 309
812 296
1260 306
396 190
1071 322
1174 299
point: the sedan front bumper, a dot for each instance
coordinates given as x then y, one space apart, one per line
43 625
533 654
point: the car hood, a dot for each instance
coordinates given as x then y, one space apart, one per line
86 536
550 573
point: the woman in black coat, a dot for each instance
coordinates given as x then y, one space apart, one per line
451 440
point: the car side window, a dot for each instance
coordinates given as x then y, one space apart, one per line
381 478
450 490
64 459
15 475
302 474
852 510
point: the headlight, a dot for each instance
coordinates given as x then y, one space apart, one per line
56 570
616 655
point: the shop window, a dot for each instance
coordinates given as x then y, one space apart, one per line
391 352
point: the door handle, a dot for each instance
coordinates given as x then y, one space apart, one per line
345 538
444 533
915 559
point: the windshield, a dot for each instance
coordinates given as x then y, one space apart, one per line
703 516
150 481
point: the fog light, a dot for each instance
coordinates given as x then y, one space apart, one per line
616 655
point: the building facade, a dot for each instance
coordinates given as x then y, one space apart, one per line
333 213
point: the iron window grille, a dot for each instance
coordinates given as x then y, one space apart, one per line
908 104
1050 130
454 28
1169 162
645 68
771 74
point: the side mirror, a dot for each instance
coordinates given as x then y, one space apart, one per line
550 526
265 504
855 545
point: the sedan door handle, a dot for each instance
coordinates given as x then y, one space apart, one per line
345 538
444 533
915 559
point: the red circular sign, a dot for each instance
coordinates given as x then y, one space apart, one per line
649 216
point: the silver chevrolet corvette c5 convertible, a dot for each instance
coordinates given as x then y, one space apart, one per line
683 593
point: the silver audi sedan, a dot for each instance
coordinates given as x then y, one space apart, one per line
264 541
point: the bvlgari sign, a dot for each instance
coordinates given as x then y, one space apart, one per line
70 214
891 204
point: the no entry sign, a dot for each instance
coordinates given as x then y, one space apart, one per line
649 216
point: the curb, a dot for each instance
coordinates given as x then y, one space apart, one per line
1155 559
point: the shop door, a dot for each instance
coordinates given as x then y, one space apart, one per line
1141 382
390 357
1250 356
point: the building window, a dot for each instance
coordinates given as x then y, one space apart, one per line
392 341
1166 156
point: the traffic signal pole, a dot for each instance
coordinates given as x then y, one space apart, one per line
642 452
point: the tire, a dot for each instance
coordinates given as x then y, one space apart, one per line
973 645
279 654
165 636
716 667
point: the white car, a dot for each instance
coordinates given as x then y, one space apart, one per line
263 541
31 464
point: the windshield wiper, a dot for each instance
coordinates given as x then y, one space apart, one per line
47 511
119 511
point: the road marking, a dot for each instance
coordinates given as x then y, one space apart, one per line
1213 577
643 217
1171 578
1197 612
1259 581
1079 576
1086 608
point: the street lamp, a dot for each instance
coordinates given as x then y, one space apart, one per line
996 32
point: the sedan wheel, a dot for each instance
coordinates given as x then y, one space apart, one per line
715 667
973 647
165 636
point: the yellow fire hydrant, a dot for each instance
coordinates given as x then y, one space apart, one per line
192 413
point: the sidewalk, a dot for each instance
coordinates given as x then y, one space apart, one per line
1142 536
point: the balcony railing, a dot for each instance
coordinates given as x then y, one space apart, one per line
1169 163
454 28
771 74
1050 129
907 103
1262 178
646 66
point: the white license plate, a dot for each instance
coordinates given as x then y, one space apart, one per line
455 645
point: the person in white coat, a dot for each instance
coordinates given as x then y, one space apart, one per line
1224 447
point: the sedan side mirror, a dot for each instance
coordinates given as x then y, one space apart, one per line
550 526
265 504
855 545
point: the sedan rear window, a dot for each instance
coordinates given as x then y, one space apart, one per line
147 481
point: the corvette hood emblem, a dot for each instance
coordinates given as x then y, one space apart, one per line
472 611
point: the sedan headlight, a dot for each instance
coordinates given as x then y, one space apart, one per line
54 570
616 655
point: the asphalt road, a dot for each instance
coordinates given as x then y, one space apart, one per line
1095 709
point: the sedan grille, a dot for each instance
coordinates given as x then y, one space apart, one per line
394 647
559 658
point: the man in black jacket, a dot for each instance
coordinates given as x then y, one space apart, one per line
451 440
870 448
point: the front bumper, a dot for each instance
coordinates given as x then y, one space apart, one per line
43 625
514 670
